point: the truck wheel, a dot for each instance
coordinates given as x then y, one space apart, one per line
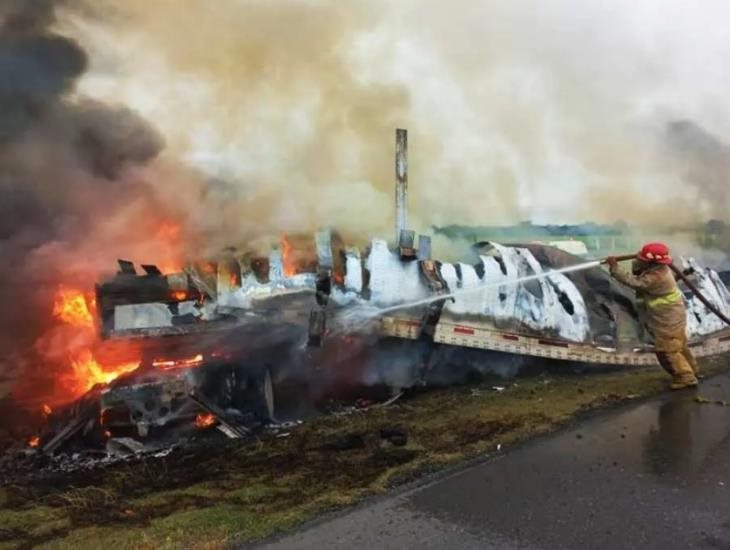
258 396
267 393
253 393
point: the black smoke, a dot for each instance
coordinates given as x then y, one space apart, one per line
66 165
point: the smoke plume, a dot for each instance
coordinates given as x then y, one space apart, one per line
704 162
554 113
76 182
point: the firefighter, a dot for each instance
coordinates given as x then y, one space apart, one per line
662 309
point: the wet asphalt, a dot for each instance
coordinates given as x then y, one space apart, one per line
651 475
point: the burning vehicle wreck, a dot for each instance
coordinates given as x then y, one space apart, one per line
219 385
232 302
240 341
217 359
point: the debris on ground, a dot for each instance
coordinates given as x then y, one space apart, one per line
124 446
395 435
390 401
705 401
361 405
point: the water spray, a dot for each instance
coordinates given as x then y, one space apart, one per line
362 314
493 284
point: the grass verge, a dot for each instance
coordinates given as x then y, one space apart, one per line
214 497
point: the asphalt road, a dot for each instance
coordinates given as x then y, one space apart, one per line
651 475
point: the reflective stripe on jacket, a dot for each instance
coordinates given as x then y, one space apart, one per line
674 297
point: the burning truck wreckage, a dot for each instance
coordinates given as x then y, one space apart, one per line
242 342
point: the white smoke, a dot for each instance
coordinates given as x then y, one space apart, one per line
555 111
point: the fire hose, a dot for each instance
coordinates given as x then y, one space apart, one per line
678 272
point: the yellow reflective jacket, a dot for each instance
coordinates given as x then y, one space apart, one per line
658 295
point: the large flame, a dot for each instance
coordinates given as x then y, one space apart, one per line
76 356
74 308
298 255
87 372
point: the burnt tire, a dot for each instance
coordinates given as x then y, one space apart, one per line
266 387
257 397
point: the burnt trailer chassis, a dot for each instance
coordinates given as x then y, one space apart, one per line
484 336
238 378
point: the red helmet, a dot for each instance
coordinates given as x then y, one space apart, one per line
655 253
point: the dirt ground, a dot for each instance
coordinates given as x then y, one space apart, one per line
214 496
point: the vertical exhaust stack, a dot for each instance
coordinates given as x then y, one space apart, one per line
404 238
401 183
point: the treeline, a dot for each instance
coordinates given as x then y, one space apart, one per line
715 231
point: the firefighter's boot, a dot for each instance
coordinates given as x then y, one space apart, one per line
670 352
684 380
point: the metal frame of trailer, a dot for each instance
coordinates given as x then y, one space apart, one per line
478 336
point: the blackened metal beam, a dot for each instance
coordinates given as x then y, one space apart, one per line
401 182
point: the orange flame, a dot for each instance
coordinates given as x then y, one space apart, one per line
167 364
287 258
205 420
87 372
179 295
170 234
170 266
72 307
47 410
34 441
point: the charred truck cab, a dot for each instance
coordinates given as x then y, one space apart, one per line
192 364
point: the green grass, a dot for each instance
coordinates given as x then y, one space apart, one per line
216 497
